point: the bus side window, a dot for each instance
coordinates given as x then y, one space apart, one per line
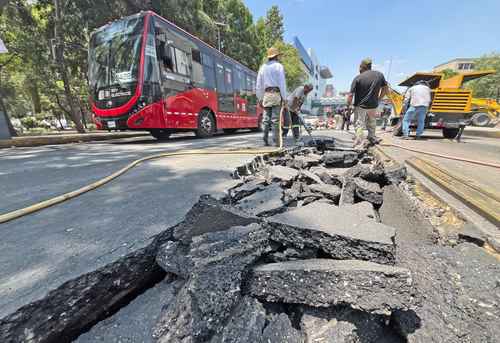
198 76
181 61
208 70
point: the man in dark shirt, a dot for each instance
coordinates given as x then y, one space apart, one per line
367 89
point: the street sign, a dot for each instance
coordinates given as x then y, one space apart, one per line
3 48
4 129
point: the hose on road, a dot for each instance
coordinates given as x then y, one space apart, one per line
73 194
64 197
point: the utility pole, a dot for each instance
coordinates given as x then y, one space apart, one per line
219 25
59 57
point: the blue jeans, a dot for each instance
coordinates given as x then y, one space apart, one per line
420 112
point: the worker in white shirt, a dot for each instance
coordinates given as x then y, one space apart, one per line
271 92
419 98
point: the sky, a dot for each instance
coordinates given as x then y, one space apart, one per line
415 35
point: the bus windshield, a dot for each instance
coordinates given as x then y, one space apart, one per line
114 59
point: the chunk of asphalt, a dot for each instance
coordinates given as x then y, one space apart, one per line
246 188
342 324
395 174
362 209
363 285
335 230
280 330
206 301
281 174
336 159
171 257
246 324
328 191
347 196
209 215
264 202
303 162
79 303
309 177
369 191
291 254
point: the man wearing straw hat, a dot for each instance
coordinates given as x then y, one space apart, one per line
271 92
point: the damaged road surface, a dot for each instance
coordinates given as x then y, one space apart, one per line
315 244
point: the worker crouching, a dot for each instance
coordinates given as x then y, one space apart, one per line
292 114
271 92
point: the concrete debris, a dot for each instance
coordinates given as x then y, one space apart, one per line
304 162
363 285
336 231
247 188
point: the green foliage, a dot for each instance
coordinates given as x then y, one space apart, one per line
274 26
29 78
448 73
488 86
30 122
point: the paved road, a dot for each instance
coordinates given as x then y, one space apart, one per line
45 249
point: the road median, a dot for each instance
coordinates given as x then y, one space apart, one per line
30 141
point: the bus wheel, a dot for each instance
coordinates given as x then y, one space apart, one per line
206 124
450 133
160 134
230 131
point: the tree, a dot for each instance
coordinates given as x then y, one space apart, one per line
488 86
290 58
448 73
274 26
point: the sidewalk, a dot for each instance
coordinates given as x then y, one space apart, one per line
29 141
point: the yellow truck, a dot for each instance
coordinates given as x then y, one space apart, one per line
451 106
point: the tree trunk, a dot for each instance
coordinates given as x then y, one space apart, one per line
12 131
34 95
62 69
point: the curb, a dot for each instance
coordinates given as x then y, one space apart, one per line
49 140
482 133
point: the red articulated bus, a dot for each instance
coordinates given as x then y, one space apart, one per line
145 73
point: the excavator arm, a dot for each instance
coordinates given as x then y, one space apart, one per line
397 100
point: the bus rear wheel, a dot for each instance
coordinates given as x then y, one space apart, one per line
206 124
450 133
161 134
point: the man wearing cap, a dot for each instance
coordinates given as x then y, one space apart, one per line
295 101
368 88
271 92
419 98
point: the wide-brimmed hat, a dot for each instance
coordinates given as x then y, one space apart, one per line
273 52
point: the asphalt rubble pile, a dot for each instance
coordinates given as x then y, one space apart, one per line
295 253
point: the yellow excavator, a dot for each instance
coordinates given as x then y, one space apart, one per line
452 105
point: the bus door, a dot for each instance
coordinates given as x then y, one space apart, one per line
174 57
224 81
